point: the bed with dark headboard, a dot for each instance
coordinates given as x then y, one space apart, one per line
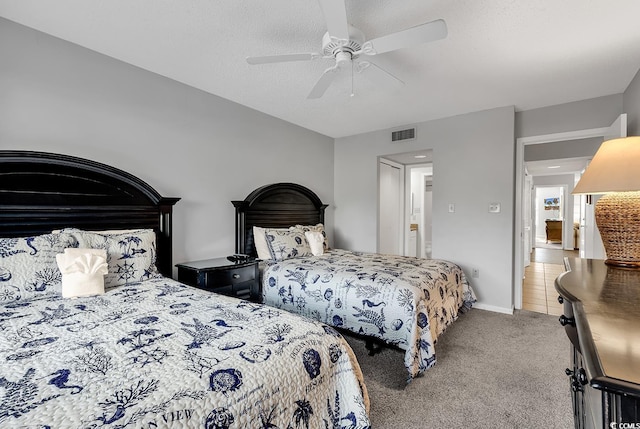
275 206
403 301
41 192
146 351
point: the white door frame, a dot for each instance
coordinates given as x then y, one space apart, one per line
521 142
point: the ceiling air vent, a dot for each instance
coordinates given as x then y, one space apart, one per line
408 134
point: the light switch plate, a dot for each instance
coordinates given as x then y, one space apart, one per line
452 208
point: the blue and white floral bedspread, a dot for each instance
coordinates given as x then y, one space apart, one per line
162 354
407 302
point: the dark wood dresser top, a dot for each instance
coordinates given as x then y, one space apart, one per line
606 305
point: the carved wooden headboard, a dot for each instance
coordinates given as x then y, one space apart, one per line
276 206
41 191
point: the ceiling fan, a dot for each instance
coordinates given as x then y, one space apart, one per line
346 44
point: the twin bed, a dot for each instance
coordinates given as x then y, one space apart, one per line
401 301
149 352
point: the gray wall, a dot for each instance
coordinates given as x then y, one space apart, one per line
564 149
632 106
472 167
59 97
580 115
477 149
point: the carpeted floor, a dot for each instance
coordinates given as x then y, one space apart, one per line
493 371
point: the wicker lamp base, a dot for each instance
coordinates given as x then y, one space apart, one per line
618 220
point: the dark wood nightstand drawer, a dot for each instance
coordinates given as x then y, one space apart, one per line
238 279
231 276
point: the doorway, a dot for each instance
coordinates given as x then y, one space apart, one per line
405 203
549 221
552 217
420 185
617 129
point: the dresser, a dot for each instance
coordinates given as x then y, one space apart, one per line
601 317
553 229
240 279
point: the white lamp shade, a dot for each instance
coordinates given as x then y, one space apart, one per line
614 168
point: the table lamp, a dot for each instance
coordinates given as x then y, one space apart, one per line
615 172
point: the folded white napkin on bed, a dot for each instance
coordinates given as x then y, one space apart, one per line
83 271
316 242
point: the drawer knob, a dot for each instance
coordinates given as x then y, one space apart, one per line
236 276
582 376
564 321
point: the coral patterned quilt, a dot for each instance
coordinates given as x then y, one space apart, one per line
162 354
407 302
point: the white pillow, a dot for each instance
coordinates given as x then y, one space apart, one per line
260 242
316 242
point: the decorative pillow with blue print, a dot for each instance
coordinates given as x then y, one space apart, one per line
315 228
28 267
131 255
287 244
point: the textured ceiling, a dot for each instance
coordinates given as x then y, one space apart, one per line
498 52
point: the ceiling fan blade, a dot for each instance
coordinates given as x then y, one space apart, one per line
267 59
335 15
419 34
377 74
324 82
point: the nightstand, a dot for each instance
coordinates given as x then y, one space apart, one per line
237 279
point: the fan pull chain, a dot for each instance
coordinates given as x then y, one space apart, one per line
352 93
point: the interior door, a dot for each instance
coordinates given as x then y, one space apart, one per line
426 249
528 204
589 234
593 247
582 233
390 215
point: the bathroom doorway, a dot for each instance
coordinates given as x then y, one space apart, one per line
414 205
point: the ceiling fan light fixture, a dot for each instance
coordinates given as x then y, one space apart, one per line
342 59
345 44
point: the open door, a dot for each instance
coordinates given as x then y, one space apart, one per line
390 199
591 246
526 219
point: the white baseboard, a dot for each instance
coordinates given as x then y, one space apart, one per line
481 306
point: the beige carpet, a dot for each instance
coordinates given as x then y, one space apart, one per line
493 371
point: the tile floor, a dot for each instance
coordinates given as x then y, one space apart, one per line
538 289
